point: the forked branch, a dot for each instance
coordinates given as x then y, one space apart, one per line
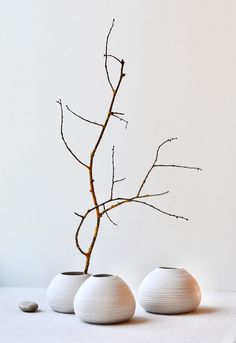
103 208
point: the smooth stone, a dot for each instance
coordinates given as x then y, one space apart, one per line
28 306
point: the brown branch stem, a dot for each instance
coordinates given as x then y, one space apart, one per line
93 153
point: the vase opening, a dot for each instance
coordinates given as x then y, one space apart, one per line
170 267
72 273
102 275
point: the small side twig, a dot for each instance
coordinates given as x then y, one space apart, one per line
106 55
136 199
63 138
119 180
154 163
121 119
113 171
112 56
82 118
159 210
113 180
119 113
78 215
109 218
176 166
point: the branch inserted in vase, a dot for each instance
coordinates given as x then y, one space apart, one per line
103 208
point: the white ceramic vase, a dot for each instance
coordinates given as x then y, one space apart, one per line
104 299
169 291
62 290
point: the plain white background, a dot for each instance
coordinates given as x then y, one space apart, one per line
180 82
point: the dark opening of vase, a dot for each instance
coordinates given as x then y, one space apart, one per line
102 275
72 273
169 267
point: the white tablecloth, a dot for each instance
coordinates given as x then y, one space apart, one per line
213 322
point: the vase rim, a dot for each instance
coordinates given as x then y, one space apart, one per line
73 273
169 267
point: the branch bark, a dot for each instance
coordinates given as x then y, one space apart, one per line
93 153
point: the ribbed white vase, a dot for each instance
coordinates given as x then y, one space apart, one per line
104 299
169 291
62 290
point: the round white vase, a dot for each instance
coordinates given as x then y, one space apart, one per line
169 291
104 299
62 290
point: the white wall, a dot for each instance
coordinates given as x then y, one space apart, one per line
181 71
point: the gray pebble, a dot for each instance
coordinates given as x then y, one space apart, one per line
28 306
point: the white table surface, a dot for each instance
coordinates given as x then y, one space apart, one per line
213 322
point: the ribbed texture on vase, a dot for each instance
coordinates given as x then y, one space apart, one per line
169 291
62 290
104 300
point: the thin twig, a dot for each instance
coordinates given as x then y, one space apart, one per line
152 195
112 56
113 180
152 166
106 50
77 234
136 200
79 215
109 218
119 113
87 120
113 171
63 138
119 180
121 200
159 210
116 116
176 166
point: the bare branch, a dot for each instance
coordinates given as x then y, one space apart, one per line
152 195
87 120
79 215
109 218
106 55
113 181
113 171
104 208
112 56
159 210
93 153
119 180
119 113
121 201
77 233
176 166
63 138
152 166
116 116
